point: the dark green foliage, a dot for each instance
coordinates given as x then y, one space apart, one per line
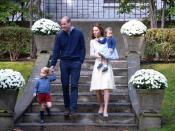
14 41
160 42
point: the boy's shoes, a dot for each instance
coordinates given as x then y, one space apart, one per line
105 69
42 116
99 66
42 121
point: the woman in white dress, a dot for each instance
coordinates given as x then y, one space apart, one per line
101 82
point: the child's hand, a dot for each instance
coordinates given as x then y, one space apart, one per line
34 94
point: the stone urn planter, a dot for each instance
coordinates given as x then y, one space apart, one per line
44 43
150 86
8 99
10 83
134 43
150 100
44 31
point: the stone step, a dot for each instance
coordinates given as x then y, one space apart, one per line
88 72
87 80
91 97
82 118
90 63
86 88
74 127
85 107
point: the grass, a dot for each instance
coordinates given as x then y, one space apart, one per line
25 68
168 107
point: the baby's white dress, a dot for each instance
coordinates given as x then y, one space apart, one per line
100 80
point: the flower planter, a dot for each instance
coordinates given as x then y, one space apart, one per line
44 42
134 43
8 99
7 121
150 101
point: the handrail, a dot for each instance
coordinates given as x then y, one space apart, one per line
26 99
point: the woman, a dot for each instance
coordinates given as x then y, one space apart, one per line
101 81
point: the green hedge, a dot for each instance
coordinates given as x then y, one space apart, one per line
14 41
160 43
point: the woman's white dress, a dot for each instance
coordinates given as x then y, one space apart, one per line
100 80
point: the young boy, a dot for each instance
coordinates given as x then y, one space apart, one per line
42 90
108 51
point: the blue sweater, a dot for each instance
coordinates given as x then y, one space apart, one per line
69 46
110 41
43 84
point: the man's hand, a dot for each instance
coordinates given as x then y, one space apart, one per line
51 69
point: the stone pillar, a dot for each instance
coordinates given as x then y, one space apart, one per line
133 59
134 48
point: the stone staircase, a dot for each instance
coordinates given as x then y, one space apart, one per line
121 115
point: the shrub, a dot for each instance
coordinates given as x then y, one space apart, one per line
15 41
160 42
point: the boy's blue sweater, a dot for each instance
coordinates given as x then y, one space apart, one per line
43 84
69 46
110 41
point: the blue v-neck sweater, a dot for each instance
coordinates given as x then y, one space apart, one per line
69 46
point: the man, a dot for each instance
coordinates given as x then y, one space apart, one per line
70 48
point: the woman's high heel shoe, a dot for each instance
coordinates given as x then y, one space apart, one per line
100 112
105 115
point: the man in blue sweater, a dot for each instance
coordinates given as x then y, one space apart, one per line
70 49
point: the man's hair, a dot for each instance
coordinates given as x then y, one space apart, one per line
67 18
46 70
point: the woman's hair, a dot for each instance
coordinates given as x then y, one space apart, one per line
100 28
46 70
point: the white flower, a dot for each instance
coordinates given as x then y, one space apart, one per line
148 79
133 28
45 27
10 79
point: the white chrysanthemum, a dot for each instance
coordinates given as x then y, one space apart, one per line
45 27
10 79
133 28
148 79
